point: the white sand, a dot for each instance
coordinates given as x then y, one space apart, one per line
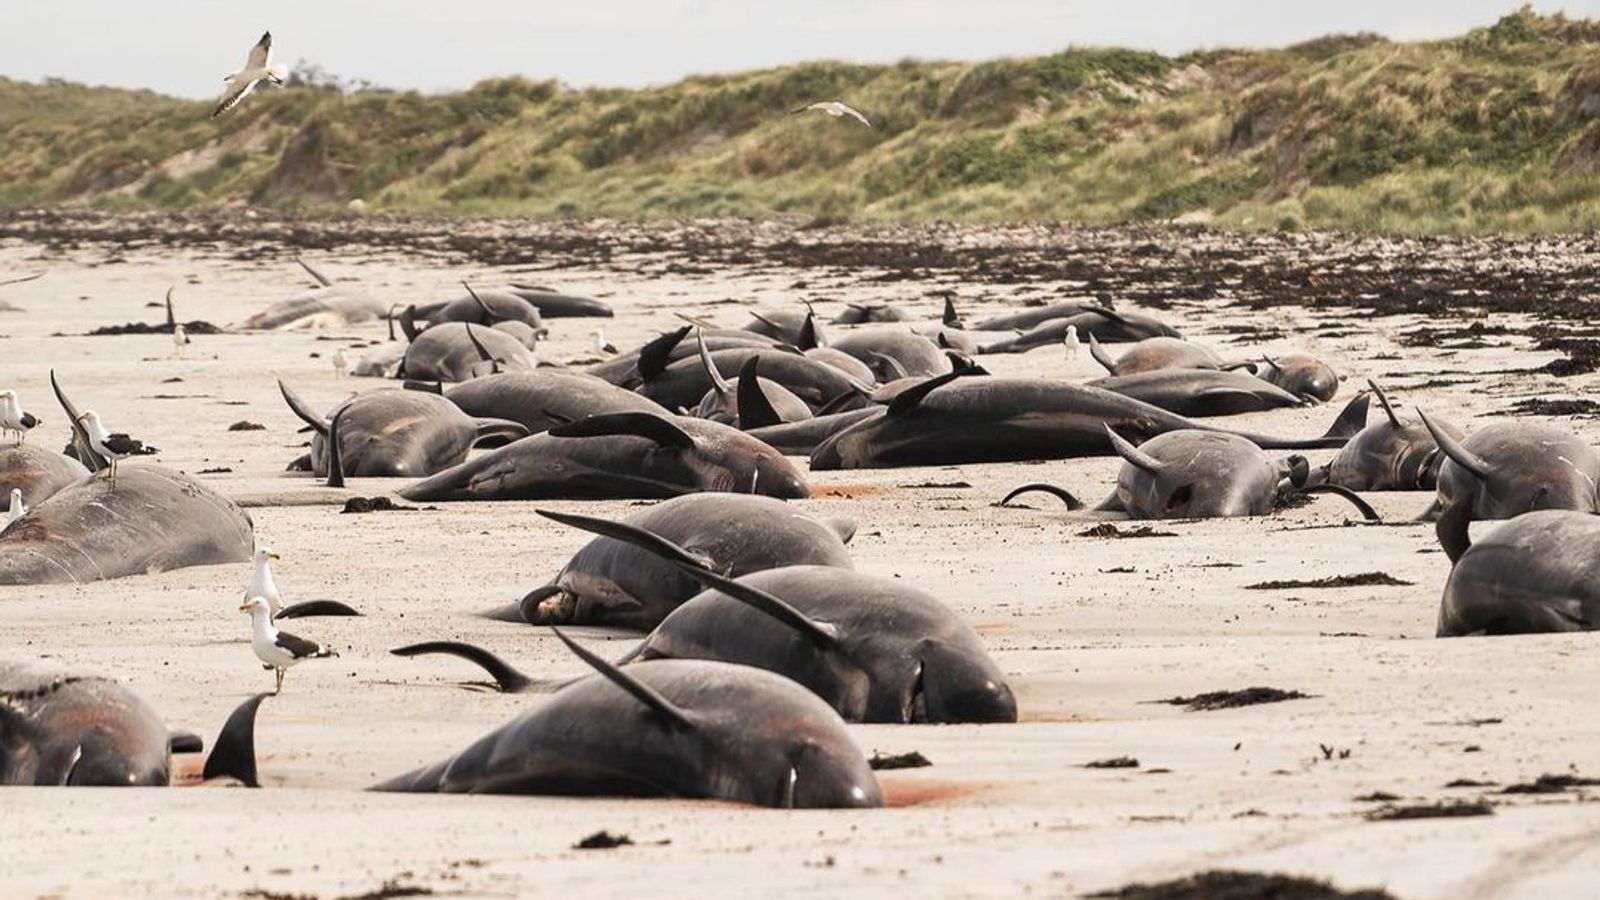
1004 810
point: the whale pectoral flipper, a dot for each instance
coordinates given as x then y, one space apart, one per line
640 691
645 425
505 675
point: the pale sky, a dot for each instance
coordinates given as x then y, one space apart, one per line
185 47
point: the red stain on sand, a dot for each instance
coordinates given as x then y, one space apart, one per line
925 791
849 491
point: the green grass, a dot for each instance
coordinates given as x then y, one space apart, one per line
1497 130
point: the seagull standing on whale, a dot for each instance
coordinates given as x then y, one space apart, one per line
113 446
833 108
14 418
257 69
16 511
278 650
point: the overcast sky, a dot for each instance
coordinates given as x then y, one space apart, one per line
185 47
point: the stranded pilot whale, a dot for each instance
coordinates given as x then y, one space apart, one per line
1539 572
620 456
59 728
667 728
876 649
1201 474
615 582
396 433
952 419
153 520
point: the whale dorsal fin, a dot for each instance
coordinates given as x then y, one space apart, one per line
234 754
1383 401
656 355
335 456
908 399
755 409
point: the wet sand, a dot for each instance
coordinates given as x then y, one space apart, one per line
1090 629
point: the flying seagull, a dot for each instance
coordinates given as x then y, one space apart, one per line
256 70
278 650
14 418
833 108
111 446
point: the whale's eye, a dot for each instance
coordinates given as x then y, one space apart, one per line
1180 497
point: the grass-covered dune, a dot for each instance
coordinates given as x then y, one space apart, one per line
1496 130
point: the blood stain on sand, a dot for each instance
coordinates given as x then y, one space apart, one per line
908 791
849 491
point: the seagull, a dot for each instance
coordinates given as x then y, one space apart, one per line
341 363
14 418
18 510
256 70
261 583
180 339
278 650
833 108
112 446
1071 342
601 344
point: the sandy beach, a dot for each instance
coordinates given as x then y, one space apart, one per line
1091 630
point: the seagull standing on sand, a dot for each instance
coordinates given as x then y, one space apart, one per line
112 446
14 418
180 339
1071 342
256 70
341 363
601 344
261 583
17 510
278 650
833 108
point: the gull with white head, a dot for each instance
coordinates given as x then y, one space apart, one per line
261 583
16 511
257 68
180 339
1071 342
341 363
601 345
278 650
833 108
13 418
113 446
